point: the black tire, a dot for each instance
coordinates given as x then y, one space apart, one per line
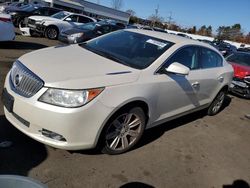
123 136
20 22
52 32
217 103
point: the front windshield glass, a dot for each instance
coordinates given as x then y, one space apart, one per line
60 15
88 26
129 48
240 58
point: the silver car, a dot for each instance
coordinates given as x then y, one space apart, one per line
108 90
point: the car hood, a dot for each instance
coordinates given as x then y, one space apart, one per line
240 71
73 67
43 18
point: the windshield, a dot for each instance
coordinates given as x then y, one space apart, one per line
60 15
88 26
129 48
240 58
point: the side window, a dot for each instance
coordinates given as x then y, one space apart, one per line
210 59
83 19
187 56
73 18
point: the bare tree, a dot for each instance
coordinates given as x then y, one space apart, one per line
131 12
117 4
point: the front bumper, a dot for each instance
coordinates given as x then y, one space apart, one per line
80 127
39 28
239 87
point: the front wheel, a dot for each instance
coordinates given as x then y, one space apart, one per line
124 131
51 32
217 103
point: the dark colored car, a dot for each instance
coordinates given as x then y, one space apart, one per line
19 16
225 48
86 32
243 49
241 80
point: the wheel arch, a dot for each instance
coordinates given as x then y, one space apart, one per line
128 104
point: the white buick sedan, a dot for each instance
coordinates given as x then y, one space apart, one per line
107 91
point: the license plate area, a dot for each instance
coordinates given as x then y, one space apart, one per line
8 100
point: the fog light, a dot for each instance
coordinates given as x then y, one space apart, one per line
52 135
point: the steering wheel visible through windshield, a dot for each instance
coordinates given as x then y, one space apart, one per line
129 48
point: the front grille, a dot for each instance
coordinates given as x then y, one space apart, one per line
23 81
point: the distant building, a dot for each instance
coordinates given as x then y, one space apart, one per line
87 8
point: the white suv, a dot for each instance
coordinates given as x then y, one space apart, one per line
52 26
110 89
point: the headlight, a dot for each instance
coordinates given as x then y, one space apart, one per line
76 35
69 98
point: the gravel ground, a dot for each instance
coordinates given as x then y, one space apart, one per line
193 151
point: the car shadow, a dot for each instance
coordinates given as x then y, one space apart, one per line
22 155
155 133
237 184
137 185
21 45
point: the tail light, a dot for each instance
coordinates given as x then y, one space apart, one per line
5 19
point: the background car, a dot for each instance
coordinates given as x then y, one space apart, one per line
52 26
225 48
87 31
241 80
18 16
7 30
108 90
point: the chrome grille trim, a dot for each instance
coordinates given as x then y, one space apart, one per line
23 81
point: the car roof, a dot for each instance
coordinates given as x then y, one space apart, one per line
172 38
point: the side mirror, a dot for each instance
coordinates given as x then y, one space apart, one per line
178 68
68 19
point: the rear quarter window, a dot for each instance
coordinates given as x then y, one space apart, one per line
210 59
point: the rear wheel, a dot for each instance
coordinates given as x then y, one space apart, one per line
52 32
123 131
217 103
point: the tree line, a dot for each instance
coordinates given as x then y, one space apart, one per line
232 33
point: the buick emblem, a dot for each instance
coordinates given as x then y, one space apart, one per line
17 80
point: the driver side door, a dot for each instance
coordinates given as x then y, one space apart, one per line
179 93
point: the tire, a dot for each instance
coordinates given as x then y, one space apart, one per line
217 103
123 131
20 23
52 32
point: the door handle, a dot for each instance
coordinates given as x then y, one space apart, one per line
196 84
221 79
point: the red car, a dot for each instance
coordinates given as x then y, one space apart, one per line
241 80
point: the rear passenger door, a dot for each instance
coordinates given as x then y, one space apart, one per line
209 75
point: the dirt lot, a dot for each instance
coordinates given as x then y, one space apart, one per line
193 151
